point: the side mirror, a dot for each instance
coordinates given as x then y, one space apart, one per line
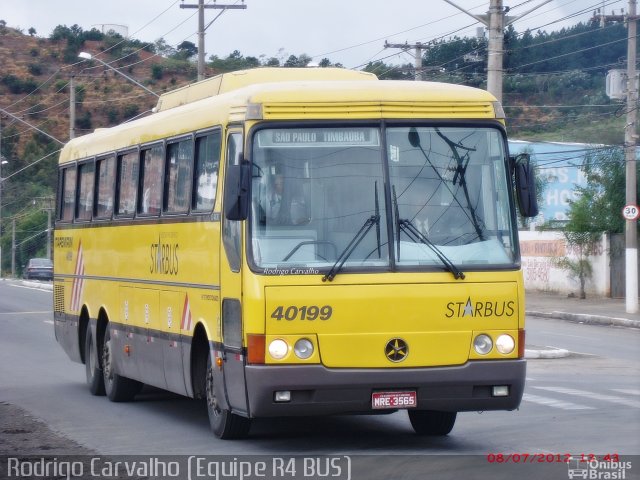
236 191
525 185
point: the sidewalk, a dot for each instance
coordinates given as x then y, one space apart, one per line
592 310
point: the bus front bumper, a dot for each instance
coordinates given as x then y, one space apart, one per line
316 389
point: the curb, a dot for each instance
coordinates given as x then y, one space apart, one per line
38 285
550 352
28 283
587 318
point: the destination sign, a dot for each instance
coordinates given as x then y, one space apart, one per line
318 137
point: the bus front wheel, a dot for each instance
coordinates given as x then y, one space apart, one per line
431 422
224 424
117 387
95 379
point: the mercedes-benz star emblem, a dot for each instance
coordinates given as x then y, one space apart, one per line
396 350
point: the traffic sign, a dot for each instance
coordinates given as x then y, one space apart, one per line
631 212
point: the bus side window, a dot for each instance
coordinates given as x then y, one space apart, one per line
127 183
105 180
68 190
205 175
84 202
178 176
150 193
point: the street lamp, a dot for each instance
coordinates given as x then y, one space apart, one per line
88 56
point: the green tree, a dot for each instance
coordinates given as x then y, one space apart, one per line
186 50
234 61
597 210
581 236
604 192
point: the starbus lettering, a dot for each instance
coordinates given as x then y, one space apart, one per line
480 309
164 258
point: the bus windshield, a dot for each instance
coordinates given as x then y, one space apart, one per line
420 197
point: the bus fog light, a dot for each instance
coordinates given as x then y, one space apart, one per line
482 344
303 348
282 396
505 344
500 391
278 349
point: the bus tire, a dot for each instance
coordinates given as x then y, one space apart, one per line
432 422
95 379
117 387
224 424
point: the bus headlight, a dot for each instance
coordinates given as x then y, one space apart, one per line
482 344
278 349
505 344
303 348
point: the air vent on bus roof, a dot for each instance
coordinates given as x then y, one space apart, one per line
228 82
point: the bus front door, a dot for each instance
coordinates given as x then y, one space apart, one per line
231 295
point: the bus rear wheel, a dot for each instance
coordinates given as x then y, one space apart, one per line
117 387
224 424
432 422
95 379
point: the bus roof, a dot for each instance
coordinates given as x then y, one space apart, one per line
228 82
286 94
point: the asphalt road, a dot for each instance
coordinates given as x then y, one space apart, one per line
587 403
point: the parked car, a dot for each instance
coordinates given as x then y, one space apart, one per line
39 269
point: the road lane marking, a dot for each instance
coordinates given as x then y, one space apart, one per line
628 391
50 322
552 402
596 396
556 334
42 289
49 312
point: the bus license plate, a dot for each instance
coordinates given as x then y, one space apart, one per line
381 400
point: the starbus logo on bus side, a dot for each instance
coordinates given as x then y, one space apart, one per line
480 309
164 257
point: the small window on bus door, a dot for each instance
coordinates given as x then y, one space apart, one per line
150 193
105 180
205 172
68 191
178 176
86 182
127 183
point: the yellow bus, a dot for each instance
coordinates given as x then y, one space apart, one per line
285 242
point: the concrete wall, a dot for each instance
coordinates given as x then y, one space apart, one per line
540 252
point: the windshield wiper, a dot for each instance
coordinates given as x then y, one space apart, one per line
414 140
417 236
461 171
355 241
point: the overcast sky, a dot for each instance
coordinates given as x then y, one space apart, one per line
351 32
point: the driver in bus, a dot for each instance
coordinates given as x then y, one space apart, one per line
284 204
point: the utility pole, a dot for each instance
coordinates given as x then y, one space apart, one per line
1 160
418 47
13 247
49 211
47 204
72 108
630 140
496 20
201 28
